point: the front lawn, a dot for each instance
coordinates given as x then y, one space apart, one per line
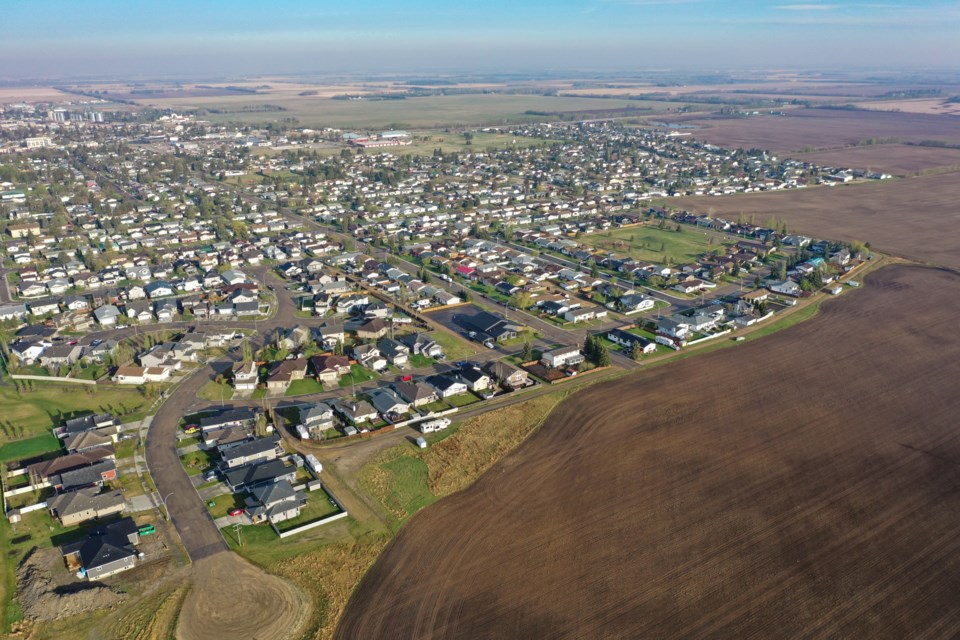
304 387
419 361
358 374
224 503
215 391
454 348
196 462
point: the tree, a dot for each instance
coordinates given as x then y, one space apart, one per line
636 351
603 355
590 347
527 354
338 348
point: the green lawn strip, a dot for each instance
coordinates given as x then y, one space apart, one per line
462 399
406 484
126 448
437 406
196 462
29 447
304 387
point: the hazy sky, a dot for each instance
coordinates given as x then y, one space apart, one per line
213 37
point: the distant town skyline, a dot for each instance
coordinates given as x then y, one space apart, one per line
177 37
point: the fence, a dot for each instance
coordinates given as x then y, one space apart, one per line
316 523
54 379
710 337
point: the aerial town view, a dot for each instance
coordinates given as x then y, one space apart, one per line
600 319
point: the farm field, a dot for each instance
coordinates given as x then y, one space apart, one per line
896 159
804 498
645 243
902 217
415 112
812 129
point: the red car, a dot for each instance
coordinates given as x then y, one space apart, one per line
236 512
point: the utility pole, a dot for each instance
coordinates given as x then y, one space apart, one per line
236 527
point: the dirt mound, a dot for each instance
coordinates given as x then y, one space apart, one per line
42 599
803 485
234 600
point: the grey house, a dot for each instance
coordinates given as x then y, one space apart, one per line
109 549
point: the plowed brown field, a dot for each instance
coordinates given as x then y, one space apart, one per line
803 485
917 217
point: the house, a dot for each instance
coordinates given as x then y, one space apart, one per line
635 303
369 356
318 417
28 352
674 327
330 332
274 503
373 330
106 315
475 378
86 440
242 417
58 355
396 352
446 386
140 375
787 288
251 452
415 393
233 276
44 307
101 422
388 403
245 376
95 474
285 372
488 325
228 437
257 475
328 368
507 374
158 289
584 314
422 344
562 357
108 549
628 341
85 504
48 470
13 311
354 412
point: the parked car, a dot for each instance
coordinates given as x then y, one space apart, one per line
236 512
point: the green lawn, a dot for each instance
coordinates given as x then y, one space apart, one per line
403 487
222 504
91 373
454 347
419 361
125 448
196 462
357 375
29 447
318 506
45 405
258 393
655 245
439 405
214 391
304 387
462 399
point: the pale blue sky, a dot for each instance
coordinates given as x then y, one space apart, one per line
137 37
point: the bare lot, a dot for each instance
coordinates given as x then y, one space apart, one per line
896 159
801 129
805 498
915 217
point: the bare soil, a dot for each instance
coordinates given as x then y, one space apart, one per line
44 599
916 217
231 599
803 485
799 129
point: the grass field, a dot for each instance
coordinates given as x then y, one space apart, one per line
454 348
215 392
357 375
418 112
29 447
196 462
30 413
653 244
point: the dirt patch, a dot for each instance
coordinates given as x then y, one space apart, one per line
799 129
915 218
42 599
803 485
232 599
